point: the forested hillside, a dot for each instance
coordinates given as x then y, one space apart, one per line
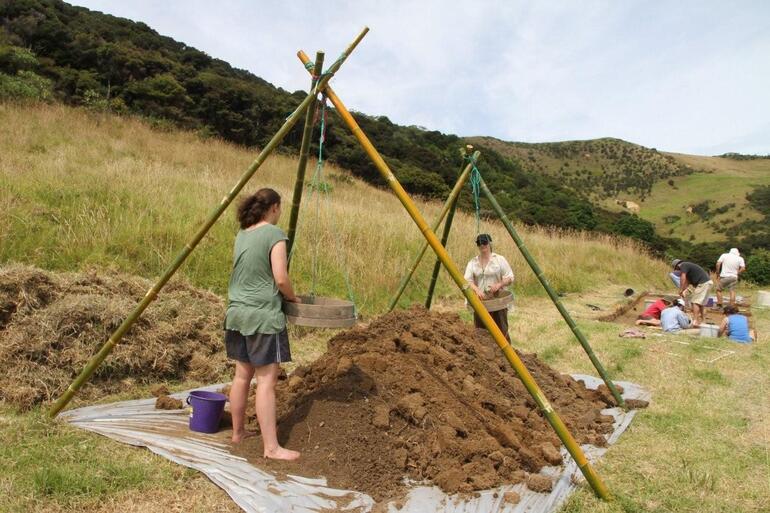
52 51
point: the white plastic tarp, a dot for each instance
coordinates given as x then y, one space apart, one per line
165 432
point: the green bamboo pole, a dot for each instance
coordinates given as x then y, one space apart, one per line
444 238
555 298
518 366
304 150
437 266
151 294
451 200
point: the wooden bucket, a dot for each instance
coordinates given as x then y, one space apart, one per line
320 312
503 299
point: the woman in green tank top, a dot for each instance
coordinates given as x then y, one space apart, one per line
255 326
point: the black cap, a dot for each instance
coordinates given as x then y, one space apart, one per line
483 238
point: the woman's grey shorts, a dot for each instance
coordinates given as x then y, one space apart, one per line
258 349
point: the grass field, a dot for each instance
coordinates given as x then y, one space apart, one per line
80 190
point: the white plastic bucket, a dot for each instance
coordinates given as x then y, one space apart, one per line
709 330
763 299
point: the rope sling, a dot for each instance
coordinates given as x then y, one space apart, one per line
319 187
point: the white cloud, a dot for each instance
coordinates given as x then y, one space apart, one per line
679 76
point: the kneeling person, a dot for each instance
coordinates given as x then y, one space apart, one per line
651 316
673 318
736 326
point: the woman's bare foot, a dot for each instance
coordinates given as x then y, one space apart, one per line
239 437
279 453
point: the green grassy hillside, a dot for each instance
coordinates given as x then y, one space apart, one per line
663 184
719 185
598 168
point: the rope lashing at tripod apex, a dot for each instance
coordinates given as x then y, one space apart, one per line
216 213
318 311
532 387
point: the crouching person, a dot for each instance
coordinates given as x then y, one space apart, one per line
736 326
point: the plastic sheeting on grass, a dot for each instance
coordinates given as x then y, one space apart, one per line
166 433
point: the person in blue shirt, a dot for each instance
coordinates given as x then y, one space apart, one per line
736 326
673 319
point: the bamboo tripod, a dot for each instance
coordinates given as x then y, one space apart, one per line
518 366
292 120
321 84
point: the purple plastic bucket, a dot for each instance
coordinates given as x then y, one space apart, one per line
207 410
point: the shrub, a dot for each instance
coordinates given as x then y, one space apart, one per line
14 59
758 267
24 86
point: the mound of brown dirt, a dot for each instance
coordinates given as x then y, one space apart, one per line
424 395
51 324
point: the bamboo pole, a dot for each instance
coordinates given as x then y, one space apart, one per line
437 266
451 200
554 297
151 294
304 150
444 238
518 366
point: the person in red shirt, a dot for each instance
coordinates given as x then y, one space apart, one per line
651 316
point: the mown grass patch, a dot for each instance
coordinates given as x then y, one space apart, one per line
48 462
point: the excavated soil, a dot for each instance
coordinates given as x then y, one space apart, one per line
52 323
423 395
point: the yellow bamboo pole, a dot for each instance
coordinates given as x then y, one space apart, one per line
151 294
518 366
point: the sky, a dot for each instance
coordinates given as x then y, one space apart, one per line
682 76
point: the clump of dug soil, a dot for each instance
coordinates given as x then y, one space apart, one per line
52 323
424 395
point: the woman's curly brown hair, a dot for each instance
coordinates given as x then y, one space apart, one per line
253 208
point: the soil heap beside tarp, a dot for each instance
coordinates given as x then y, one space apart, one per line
52 323
424 395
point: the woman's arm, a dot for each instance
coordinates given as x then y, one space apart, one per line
723 327
279 265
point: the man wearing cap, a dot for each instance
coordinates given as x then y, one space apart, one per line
696 279
487 273
729 266
673 318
